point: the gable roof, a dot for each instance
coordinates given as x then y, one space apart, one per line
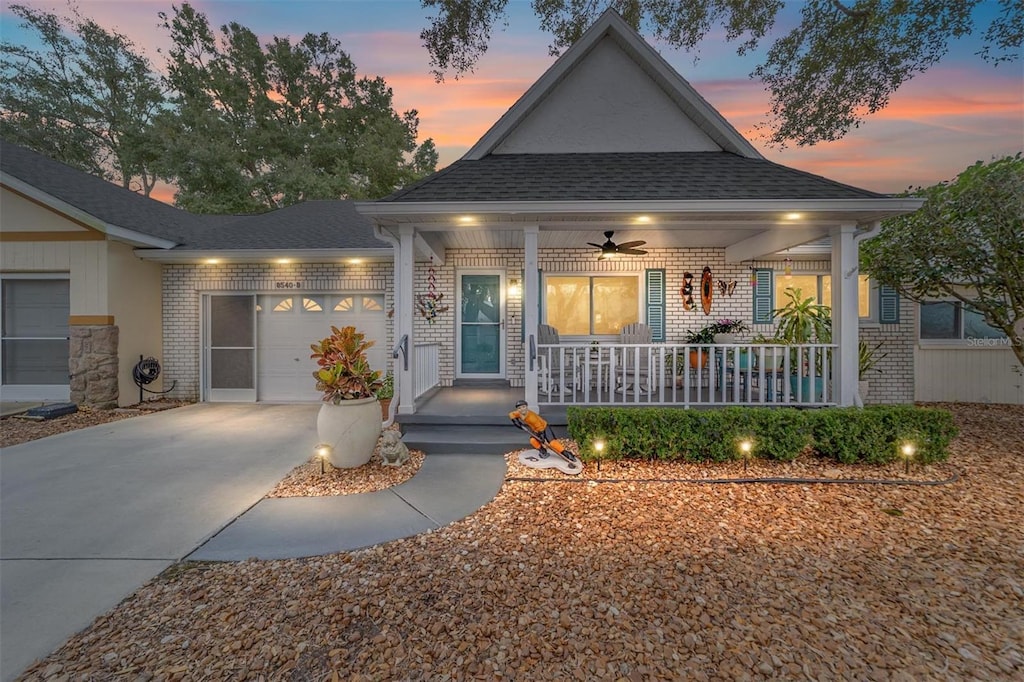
102 205
611 26
171 234
644 176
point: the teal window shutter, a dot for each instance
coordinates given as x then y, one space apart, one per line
888 305
655 303
764 296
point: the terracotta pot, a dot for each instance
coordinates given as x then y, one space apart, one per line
351 429
385 405
703 358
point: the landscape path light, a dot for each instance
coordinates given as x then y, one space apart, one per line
746 446
599 449
323 451
907 451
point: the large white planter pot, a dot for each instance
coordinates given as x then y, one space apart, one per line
862 387
725 338
351 428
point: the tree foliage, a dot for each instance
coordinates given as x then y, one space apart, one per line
262 126
965 243
841 63
87 98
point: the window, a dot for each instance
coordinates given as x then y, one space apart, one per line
953 320
820 288
591 305
35 331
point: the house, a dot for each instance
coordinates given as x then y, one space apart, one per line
104 276
453 276
612 140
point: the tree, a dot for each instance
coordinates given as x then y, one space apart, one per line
87 98
263 126
841 63
965 243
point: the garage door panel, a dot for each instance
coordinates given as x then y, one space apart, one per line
289 323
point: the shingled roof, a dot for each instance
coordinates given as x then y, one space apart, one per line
308 225
103 200
643 176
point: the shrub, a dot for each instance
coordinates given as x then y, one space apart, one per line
848 435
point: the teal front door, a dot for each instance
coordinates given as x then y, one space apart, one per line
481 339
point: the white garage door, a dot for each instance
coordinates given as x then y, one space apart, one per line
286 325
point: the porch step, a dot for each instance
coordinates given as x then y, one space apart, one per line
462 439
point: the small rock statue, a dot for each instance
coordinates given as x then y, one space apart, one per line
392 450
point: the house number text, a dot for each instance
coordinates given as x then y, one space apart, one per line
287 285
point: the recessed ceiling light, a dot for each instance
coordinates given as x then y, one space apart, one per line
212 261
283 261
355 261
794 216
465 218
643 218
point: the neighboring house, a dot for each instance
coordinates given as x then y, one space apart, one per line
96 276
459 270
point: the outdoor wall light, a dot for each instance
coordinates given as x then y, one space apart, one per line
323 451
515 288
787 268
907 451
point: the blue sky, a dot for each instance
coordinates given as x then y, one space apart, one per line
937 124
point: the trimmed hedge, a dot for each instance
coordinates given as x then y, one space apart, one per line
846 434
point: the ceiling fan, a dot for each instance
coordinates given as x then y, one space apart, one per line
610 248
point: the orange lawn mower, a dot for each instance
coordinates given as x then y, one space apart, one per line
544 443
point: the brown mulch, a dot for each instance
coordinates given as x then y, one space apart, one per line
621 581
312 479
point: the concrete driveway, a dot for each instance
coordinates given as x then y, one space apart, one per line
87 517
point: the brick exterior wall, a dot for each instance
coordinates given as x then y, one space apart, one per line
183 286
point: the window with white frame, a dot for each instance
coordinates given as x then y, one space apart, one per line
588 305
819 287
954 321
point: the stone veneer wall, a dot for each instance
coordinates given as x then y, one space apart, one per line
93 365
183 286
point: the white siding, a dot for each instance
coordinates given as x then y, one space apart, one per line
975 375
608 103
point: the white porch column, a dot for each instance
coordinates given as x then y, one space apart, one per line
845 314
531 299
406 305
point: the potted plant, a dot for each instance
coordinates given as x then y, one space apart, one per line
725 330
386 393
867 358
703 337
349 422
802 321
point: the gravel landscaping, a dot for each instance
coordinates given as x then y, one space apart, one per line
653 578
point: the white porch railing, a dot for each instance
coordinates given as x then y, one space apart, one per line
682 375
426 368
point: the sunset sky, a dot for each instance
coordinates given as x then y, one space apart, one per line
958 112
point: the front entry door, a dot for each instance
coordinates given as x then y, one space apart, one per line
231 347
481 326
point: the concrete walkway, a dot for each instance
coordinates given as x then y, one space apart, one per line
89 516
